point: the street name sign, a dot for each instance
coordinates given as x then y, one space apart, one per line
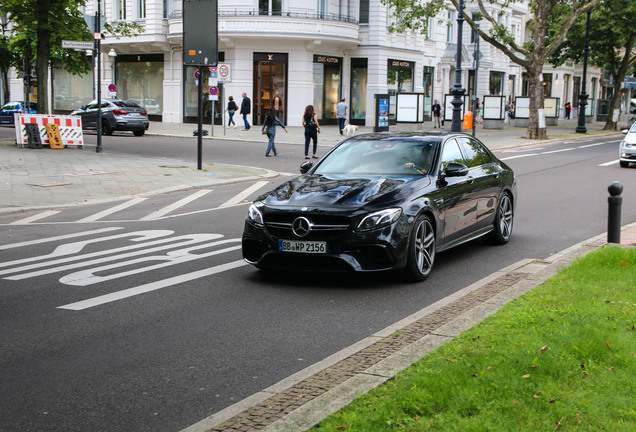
77 44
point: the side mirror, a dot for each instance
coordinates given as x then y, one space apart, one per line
305 166
625 131
455 169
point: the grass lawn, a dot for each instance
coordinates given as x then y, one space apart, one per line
561 357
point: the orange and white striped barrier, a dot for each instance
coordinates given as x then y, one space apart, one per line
70 128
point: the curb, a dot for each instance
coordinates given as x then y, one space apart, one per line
300 401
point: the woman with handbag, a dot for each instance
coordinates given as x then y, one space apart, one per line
231 109
269 129
312 129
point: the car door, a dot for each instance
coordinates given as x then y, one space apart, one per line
454 197
485 180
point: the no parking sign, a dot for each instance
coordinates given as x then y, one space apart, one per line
214 93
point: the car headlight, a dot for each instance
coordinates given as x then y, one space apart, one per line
255 216
379 219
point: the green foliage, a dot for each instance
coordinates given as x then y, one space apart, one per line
560 357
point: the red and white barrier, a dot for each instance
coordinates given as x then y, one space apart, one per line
70 128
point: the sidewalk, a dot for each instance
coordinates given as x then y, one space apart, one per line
32 179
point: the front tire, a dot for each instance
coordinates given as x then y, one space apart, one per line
503 221
421 253
624 164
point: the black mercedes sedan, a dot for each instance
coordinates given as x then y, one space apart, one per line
383 201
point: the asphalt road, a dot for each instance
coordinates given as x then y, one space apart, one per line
187 329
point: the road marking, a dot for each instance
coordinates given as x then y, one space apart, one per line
153 286
185 241
592 145
519 156
91 276
112 210
36 217
62 237
172 207
609 163
558 151
247 192
76 247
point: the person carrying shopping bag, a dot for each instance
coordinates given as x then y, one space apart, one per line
269 128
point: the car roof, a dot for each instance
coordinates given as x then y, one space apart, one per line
417 135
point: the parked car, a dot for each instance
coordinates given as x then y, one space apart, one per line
151 105
384 201
10 108
627 150
117 115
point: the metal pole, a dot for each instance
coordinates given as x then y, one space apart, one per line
583 97
200 122
457 90
475 95
615 202
99 77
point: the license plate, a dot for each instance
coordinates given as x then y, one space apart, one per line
317 247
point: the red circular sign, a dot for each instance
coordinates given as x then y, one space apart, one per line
224 71
214 91
112 88
196 74
212 68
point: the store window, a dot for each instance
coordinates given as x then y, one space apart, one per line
547 85
427 85
496 84
399 79
70 91
140 80
327 80
358 105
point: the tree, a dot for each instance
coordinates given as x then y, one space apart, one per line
42 25
612 45
531 55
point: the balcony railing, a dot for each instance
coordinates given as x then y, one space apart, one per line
256 13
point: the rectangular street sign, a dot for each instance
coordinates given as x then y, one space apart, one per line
77 44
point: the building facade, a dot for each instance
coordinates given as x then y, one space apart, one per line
288 54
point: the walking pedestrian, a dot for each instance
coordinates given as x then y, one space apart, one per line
342 111
231 109
246 109
568 110
312 129
269 128
437 115
507 113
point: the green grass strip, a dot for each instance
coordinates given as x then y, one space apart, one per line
561 357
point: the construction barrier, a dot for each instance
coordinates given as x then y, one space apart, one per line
70 129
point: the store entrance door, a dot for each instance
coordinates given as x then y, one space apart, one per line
270 85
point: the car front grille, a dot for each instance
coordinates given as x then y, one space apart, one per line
322 226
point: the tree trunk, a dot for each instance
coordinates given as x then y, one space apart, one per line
535 91
628 61
43 53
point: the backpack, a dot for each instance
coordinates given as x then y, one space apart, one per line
232 106
311 123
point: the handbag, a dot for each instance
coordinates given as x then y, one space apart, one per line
312 123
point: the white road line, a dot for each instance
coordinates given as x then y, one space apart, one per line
112 210
609 163
172 207
520 156
558 151
35 217
247 192
592 145
62 237
153 286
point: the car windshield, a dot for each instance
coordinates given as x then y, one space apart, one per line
394 156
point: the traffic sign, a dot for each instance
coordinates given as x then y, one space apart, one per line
214 91
213 69
77 44
225 72
196 74
112 88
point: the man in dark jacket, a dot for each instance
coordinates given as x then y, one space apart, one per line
246 108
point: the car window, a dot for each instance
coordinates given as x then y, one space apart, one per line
402 156
92 105
120 103
10 106
129 104
474 153
451 153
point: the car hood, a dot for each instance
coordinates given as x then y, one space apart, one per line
318 191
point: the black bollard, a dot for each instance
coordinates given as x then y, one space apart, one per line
614 201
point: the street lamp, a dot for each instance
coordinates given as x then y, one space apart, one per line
113 55
457 90
583 96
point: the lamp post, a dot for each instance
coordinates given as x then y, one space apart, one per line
98 53
457 90
583 96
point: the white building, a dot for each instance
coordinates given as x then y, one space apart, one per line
292 53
